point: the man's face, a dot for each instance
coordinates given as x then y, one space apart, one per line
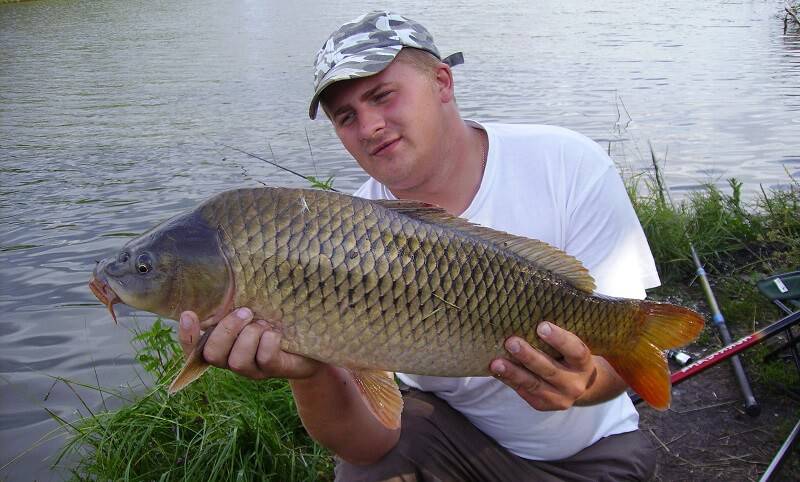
391 123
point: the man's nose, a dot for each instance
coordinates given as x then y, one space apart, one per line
371 122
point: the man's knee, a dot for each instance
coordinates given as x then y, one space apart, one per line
418 442
391 467
400 464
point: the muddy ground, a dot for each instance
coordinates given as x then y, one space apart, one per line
706 435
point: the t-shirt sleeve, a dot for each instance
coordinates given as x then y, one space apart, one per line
605 234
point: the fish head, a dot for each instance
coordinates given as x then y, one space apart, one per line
176 266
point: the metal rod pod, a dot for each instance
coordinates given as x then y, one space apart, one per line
751 406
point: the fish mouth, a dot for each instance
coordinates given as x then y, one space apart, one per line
105 294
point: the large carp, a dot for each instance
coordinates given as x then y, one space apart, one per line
376 286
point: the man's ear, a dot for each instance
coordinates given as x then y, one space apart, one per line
444 83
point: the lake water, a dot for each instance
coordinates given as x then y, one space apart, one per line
112 116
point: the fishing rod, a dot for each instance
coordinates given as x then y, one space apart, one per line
310 179
732 349
751 406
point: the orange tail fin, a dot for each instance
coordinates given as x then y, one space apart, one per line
644 367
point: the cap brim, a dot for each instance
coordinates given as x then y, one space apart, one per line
364 64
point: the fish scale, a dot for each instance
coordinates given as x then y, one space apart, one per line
367 277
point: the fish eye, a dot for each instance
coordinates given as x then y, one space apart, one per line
143 264
123 257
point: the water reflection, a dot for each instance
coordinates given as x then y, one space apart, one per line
791 60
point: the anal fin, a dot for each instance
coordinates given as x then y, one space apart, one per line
645 369
381 394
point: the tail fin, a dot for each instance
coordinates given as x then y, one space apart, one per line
194 368
644 367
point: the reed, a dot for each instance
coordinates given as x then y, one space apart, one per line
792 15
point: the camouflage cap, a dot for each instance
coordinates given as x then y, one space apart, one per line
367 45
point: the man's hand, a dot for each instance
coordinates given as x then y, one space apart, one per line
251 349
548 384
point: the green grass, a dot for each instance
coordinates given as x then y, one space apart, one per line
325 185
731 237
222 427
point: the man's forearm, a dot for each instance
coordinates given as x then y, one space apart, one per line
607 384
334 414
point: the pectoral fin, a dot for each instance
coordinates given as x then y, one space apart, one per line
194 368
381 395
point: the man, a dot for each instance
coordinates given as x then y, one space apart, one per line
391 99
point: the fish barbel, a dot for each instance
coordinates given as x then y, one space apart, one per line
383 286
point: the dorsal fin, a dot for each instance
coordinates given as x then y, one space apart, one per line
537 252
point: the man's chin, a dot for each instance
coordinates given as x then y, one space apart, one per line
399 185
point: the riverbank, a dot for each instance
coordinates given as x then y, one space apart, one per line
225 427
706 434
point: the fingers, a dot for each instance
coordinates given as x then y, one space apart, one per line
242 358
272 360
534 360
269 348
546 383
574 351
188 331
253 349
525 373
533 389
257 354
220 343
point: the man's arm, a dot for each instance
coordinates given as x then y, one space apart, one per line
329 403
579 378
331 407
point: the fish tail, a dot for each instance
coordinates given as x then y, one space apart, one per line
644 366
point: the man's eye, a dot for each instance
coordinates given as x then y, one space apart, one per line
346 119
382 95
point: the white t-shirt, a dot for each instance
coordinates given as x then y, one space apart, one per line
558 186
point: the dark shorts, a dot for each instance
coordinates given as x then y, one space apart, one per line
438 443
